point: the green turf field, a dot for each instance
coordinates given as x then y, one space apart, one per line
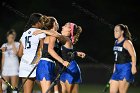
99 89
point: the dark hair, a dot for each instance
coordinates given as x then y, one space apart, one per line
34 18
127 33
49 23
11 32
76 32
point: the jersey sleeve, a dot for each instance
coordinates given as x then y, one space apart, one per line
4 45
42 35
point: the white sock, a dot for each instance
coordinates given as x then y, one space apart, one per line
4 91
14 91
56 92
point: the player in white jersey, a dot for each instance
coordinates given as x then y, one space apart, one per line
10 62
28 49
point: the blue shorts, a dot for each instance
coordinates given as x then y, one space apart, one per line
123 71
45 69
72 74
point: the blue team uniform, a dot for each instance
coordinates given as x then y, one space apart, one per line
46 66
72 74
123 61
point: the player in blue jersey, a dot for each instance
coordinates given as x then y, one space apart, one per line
124 60
46 67
71 77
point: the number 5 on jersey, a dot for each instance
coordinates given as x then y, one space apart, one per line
27 42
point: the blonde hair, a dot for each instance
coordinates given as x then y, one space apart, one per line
77 31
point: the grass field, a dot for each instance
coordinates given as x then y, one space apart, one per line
99 89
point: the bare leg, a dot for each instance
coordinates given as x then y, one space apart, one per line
72 88
114 86
123 86
63 87
45 85
14 81
28 86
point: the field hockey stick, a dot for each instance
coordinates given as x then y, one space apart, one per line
106 87
8 84
56 79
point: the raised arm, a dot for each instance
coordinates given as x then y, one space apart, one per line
20 51
53 33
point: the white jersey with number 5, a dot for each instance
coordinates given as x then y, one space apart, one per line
30 44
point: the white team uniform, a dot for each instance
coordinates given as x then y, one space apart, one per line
30 45
11 62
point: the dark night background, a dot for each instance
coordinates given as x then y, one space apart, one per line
97 38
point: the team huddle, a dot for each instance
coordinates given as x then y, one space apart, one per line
45 53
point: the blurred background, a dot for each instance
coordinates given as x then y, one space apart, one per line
97 38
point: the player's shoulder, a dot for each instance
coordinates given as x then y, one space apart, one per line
128 42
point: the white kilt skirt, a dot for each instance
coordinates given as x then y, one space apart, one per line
25 69
10 66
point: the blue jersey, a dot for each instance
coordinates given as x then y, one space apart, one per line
123 63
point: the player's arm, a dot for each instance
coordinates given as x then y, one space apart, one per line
129 46
15 50
48 32
54 33
20 51
39 51
52 52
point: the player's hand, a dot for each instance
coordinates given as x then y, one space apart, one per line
37 32
3 49
66 63
133 70
81 54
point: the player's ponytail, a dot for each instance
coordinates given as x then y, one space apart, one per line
34 18
75 32
126 33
